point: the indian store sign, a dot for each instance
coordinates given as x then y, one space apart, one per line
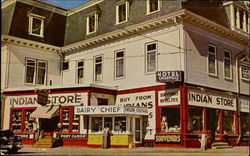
168 138
141 100
169 97
211 100
64 99
244 105
93 110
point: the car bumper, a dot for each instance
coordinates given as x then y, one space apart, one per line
11 146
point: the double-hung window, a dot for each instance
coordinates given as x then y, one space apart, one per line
92 23
119 64
151 52
98 68
212 60
227 64
122 12
36 71
80 72
153 6
36 25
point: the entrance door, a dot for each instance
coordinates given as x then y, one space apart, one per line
138 130
49 125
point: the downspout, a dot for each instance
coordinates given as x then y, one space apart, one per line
61 63
6 85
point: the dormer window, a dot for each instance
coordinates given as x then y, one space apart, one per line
153 6
122 12
92 23
36 25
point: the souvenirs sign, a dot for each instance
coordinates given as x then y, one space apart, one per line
169 97
168 138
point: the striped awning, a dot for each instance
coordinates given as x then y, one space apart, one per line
45 112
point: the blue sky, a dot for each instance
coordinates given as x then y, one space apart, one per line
68 4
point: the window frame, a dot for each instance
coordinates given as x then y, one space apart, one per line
123 67
241 72
70 120
146 57
96 18
215 62
148 7
126 12
38 17
35 76
231 69
95 75
77 73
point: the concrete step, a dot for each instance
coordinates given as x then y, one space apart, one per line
220 145
41 146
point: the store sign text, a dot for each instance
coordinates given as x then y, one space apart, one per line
169 97
73 136
244 105
211 100
168 138
169 76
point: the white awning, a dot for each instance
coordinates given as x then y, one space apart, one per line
45 112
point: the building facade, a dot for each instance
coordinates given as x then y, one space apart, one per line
103 60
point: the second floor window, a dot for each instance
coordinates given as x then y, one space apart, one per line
36 71
153 6
80 72
121 12
212 60
227 64
151 50
36 25
98 69
92 21
245 72
119 64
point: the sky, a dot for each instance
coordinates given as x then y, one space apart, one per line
68 4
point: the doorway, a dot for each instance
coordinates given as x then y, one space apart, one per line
49 125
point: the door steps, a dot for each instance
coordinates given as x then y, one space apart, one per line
46 142
220 145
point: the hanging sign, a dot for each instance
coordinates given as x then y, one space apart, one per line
169 76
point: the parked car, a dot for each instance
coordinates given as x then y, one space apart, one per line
10 142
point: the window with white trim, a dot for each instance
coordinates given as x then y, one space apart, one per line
245 72
153 6
151 52
122 12
119 64
212 60
98 68
36 71
92 23
227 64
36 25
80 72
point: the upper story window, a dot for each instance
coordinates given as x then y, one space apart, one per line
227 64
151 52
122 12
36 25
212 60
153 6
98 68
36 71
80 72
245 72
65 65
119 64
92 23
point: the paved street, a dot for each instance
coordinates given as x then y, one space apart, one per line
140 151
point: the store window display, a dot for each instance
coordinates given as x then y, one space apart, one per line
195 119
228 121
170 120
244 123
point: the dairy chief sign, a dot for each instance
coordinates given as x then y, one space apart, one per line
211 100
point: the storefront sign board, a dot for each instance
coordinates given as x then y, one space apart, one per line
169 97
168 138
211 100
56 99
73 136
244 105
143 100
169 76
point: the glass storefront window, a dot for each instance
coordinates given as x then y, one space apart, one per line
75 123
228 121
16 120
244 123
120 124
96 124
170 120
108 122
195 119
65 124
28 121
213 120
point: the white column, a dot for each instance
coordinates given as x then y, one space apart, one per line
232 15
244 21
237 17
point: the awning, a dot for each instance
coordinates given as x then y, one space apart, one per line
45 112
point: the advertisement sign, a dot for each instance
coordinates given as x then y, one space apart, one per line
141 100
42 97
244 105
73 136
169 97
56 99
168 138
169 76
211 100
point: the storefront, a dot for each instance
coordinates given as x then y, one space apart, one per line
126 125
244 121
